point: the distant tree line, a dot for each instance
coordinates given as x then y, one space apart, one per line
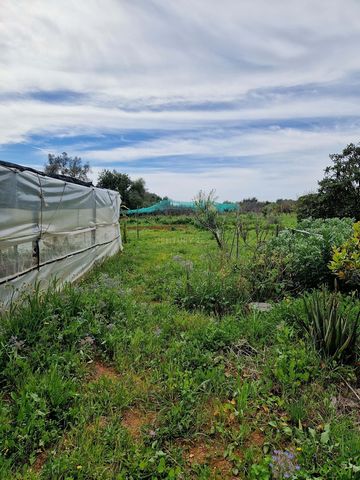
255 206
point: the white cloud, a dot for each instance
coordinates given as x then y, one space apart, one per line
289 171
142 65
22 118
166 47
229 143
229 183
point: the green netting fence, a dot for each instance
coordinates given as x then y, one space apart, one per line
171 206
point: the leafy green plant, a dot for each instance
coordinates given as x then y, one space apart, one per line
332 328
345 261
261 470
265 276
302 256
292 364
297 410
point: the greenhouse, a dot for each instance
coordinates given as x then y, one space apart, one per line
171 207
52 228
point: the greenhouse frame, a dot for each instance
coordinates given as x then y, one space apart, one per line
52 229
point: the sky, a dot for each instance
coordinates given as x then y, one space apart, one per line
247 97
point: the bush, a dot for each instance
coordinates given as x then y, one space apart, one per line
265 276
302 258
345 262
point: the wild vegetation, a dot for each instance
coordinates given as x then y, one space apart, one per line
161 364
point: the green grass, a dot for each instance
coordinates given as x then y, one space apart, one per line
112 379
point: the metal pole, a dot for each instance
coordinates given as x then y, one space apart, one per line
93 232
237 243
137 224
16 253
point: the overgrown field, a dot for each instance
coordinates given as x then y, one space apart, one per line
156 367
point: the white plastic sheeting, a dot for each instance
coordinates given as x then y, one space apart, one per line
51 228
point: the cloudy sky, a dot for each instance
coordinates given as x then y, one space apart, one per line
245 96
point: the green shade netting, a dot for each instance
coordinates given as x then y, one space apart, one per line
171 205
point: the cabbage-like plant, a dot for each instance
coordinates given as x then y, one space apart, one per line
332 325
306 252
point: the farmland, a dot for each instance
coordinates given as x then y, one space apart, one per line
159 365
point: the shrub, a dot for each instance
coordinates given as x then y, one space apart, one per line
345 262
265 276
332 325
302 256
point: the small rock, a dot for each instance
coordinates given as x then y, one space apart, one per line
260 306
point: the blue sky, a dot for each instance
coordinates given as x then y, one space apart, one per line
248 97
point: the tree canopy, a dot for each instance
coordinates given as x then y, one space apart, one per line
133 192
340 188
339 191
63 164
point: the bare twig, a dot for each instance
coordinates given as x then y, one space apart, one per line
351 388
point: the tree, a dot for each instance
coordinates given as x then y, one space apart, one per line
340 188
137 193
339 191
120 182
308 206
251 205
208 217
133 192
65 165
285 205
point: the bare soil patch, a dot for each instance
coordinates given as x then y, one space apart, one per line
210 454
101 370
135 419
257 438
39 462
